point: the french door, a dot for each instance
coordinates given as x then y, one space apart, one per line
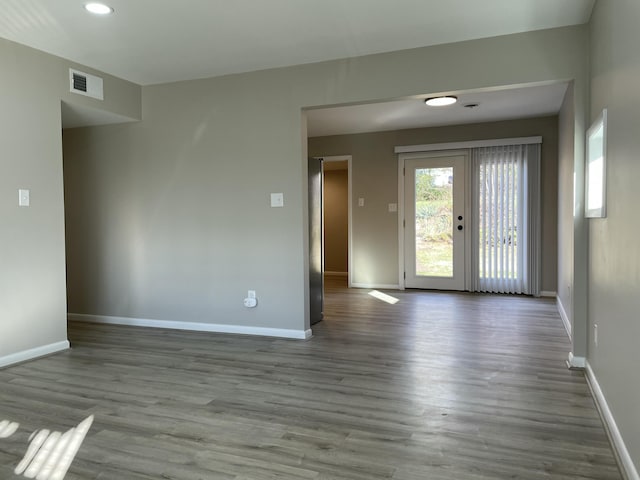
434 221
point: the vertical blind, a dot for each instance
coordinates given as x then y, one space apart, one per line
505 233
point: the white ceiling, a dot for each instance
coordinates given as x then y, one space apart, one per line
80 116
158 41
493 105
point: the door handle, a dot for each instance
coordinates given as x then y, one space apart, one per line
460 227
460 217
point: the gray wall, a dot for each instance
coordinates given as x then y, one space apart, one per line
32 242
336 221
565 204
375 178
178 203
614 256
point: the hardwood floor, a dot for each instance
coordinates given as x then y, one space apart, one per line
437 386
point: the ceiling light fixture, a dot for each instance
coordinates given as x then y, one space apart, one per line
98 8
441 101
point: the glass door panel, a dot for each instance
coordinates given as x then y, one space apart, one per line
434 222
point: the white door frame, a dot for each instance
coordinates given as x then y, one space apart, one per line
342 158
401 213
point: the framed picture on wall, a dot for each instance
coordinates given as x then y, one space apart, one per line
596 168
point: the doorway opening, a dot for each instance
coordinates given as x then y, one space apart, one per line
329 227
336 215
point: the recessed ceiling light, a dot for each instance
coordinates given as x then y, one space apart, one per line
441 101
98 8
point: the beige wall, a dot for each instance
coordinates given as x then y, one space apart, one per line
32 242
614 254
336 221
375 178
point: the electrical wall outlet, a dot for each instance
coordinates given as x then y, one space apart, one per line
250 301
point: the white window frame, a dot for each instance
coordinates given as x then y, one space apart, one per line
595 189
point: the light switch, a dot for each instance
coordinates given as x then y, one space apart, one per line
393 207
23 197
277 200
361 202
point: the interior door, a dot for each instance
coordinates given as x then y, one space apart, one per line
316 274
434 235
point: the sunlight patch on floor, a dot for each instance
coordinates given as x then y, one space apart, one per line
384 297
8 428
50 454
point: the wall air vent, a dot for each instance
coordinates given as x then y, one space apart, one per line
85 84
79 82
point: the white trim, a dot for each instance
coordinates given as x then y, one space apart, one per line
192 326
600 122
548 294
401 219
336 274
334 158
434 154
33 353
576 362
471 144
378 286
619 448
564 317
402 158
468 232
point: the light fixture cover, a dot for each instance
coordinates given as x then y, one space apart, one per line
98 8
441 101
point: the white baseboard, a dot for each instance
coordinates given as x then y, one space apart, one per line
629 470
193 326
576 362
379 286
336 274
548 294
564 317
33 353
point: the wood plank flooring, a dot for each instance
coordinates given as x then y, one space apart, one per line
437 386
